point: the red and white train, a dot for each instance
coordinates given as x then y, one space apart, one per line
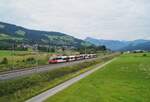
62 59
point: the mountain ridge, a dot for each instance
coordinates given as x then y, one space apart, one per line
118 45
11 32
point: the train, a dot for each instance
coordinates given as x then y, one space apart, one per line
63 59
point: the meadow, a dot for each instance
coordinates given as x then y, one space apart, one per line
4 53
127 79
10 60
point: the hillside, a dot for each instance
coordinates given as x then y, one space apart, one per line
11 33
117 45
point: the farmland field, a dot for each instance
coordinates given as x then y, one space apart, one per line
5 53
127 79
21 59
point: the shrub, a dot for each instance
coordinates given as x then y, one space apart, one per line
30 60
4 61
144 55
23 60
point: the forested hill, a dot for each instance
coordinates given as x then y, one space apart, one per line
11 33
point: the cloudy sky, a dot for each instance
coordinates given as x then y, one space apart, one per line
103 19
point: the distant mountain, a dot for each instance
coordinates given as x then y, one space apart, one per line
141 46
11 33
110 44
117 45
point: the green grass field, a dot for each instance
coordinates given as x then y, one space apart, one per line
21 59
4 53
127 79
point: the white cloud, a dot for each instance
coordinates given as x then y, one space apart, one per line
108 19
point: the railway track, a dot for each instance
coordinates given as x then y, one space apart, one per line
28 71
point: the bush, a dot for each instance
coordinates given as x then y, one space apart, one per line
144 55
4 61
23 61
30 60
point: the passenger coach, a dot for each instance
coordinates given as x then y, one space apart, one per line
62 59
